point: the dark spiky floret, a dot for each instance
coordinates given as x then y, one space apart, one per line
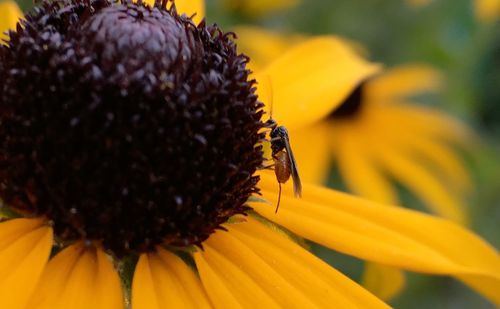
126 124
351 107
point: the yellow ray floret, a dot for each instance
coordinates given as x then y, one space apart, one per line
271 45
304 87
25 246
384 281
386 235
254 264
80 276
9 16
163 280
257 8
404 81
188 7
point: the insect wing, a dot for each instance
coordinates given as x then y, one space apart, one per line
297 185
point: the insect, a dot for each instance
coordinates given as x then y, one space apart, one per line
284 161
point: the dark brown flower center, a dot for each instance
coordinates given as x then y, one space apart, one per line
351 106
126 124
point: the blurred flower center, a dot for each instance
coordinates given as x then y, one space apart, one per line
351 107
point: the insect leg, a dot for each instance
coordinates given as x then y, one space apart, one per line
268 167
279 198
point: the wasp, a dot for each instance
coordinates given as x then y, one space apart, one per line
284 161
281 151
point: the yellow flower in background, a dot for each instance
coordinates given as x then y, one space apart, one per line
375 136
51 258
258 8
375 133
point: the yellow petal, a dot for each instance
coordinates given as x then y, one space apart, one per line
257 8
163 280
191 7
310 147
311 79
422 182
384 281
403 81
429 122
80 276
380 127
391 236
188 7
258 265
263 46
363 176
432 147
487 10
439 157
9 16
24 250
360 171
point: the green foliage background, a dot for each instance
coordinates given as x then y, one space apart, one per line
445 34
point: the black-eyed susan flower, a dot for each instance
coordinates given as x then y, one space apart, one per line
130 144
375 133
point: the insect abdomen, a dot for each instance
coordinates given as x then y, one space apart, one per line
282 166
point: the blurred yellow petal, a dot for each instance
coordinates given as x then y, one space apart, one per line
428 121
383 281
191 7
391 236
311 79
263 46
80 276
379 135
257 8
446 160
360 172
163 280
363 177
422 181
261 266
25 246
403 81
487 10
9 16
310 147
439 156
188 7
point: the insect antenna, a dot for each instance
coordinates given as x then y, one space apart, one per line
269 97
